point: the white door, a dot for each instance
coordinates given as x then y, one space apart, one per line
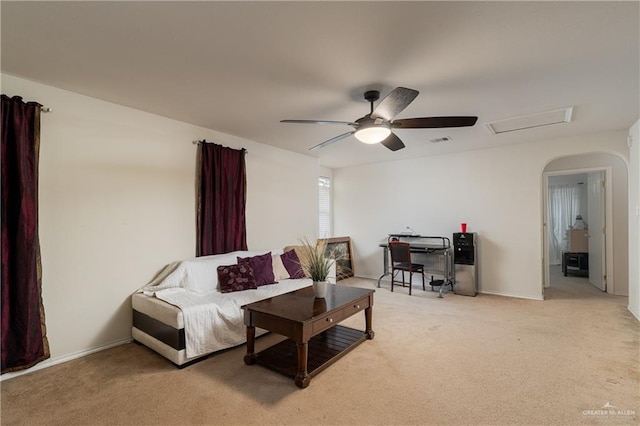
595 208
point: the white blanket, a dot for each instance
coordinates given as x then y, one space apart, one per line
214 320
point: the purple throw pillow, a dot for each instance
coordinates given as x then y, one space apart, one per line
291 263
236 278
262 266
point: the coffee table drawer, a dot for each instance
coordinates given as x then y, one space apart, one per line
355 307
329 321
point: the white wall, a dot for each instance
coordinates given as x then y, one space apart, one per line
617 244
634 220
117 203
497 191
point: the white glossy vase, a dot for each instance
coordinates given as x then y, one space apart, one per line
320 289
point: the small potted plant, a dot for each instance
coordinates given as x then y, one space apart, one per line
317 262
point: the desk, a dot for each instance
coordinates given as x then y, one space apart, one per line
437 249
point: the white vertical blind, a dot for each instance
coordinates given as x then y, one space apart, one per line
324 193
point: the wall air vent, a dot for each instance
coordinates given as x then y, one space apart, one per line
438 140
541 119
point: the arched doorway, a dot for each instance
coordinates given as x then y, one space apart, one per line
613 229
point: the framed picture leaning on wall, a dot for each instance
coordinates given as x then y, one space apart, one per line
342 247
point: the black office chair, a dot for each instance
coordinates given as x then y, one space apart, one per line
401 261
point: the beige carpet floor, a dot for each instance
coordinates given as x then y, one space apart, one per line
484 360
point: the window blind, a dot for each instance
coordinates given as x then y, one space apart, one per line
324 194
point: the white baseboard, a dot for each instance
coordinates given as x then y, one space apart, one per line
55 361
375 278
517 296
387 280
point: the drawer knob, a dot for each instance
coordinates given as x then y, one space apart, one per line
329 319
356 306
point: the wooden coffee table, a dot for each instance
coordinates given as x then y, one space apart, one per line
315 340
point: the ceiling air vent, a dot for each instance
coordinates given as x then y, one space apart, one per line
438 140
541 119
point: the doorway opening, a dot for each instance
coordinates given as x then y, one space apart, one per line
576 223
613 232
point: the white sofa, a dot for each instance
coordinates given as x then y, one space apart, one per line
184 316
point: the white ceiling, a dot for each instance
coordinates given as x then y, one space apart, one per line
241 67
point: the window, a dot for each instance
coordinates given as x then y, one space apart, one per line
324 193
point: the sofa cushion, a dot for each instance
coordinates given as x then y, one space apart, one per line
199 274
279 271
236 277
262 266
292 264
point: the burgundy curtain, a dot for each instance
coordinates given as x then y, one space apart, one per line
221 200
24 340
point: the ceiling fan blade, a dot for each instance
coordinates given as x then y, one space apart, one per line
332 140
393 142
317 122
394 103
433 122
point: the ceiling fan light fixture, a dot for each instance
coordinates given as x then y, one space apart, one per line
372 134
376 126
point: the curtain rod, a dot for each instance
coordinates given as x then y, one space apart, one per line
205 141
46 109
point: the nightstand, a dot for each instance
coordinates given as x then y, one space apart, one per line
575 263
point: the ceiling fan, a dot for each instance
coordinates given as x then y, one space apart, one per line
377 126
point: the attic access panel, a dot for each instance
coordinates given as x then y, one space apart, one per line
541 119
